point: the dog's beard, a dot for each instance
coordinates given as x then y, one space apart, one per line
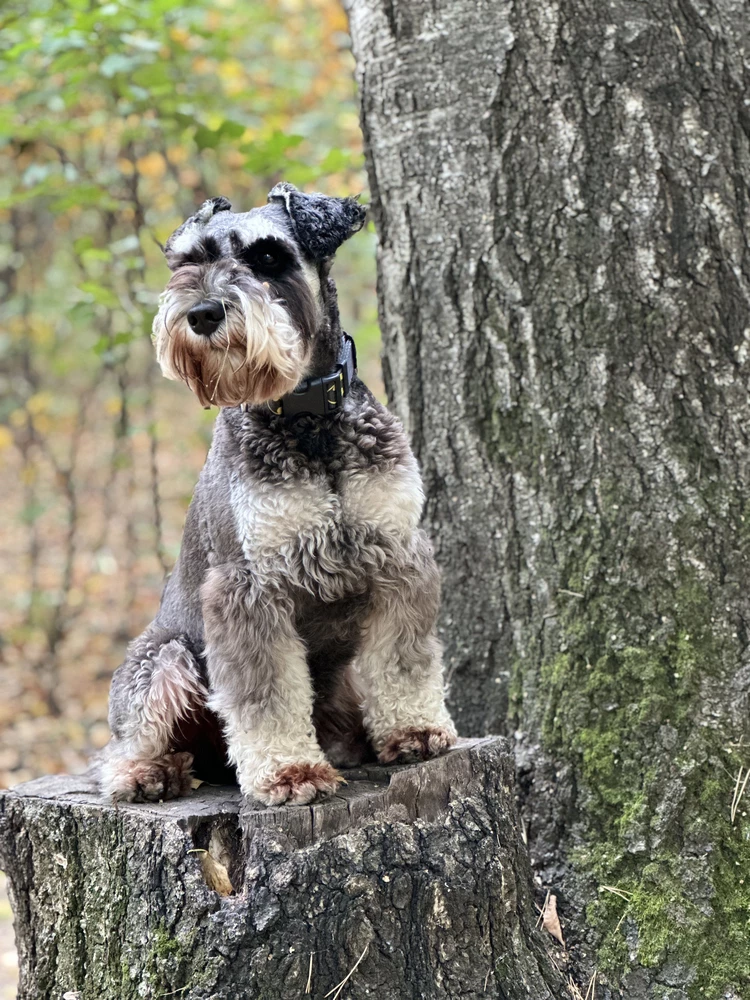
256 355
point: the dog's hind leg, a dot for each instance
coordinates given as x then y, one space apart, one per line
261 688
157 687
399 666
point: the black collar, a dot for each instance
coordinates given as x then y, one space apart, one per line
325 394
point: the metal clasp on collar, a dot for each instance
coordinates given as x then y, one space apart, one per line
334 390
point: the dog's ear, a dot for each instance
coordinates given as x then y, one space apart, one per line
321 224
215 205
207 211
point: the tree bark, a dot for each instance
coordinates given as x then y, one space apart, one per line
413 879
560 190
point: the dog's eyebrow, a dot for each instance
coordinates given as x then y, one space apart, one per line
205 251
258 243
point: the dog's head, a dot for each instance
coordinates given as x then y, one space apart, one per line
240 315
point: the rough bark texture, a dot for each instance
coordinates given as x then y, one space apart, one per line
419 871
561 194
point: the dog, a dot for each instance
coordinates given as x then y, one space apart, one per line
296 634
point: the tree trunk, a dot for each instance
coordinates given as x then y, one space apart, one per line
413 880
561 195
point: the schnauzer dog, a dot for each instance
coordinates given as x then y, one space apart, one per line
297 631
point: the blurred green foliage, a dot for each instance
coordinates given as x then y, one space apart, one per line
116 120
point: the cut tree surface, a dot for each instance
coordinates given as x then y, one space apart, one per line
413 882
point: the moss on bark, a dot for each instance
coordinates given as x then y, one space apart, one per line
656 786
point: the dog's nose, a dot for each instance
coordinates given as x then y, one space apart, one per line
206 317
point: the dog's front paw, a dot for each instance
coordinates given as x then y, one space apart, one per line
414 743
296 784
143 780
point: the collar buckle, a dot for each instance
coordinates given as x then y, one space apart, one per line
325 394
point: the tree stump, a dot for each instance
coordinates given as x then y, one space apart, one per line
412 882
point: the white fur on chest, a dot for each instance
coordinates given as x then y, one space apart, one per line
271 516
390 501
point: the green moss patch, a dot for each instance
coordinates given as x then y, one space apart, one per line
656 775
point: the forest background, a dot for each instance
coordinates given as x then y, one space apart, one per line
116 121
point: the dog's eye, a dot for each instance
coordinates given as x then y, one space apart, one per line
264 261
266 258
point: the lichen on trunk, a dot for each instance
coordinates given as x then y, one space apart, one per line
655 777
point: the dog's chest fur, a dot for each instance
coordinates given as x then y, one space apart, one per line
326 501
